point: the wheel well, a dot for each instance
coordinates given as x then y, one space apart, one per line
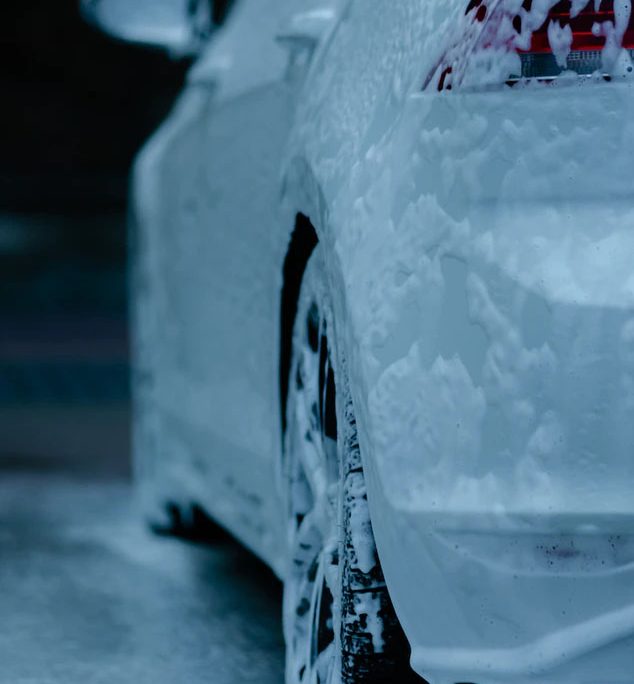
303 242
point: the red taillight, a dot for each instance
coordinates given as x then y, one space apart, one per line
507 41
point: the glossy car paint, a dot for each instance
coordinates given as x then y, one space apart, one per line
479 249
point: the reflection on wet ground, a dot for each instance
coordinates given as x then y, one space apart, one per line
88 595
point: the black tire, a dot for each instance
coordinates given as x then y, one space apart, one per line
339 621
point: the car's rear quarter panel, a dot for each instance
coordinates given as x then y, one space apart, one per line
480 249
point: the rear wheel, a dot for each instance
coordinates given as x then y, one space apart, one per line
339 622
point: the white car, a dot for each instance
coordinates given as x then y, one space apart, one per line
384 329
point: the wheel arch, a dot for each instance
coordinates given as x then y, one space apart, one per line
305 238
301 246
305 207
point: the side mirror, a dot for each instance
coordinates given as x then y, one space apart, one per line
178 26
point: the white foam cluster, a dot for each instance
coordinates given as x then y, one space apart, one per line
485 53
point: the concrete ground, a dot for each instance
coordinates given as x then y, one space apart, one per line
88 595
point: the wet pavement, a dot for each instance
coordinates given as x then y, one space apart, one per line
88 595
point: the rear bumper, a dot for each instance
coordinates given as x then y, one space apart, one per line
507 502
510 495
497 350
522 606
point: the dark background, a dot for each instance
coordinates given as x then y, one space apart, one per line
76 107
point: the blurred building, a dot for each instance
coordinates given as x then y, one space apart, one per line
76 106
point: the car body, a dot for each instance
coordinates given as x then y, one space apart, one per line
479 248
